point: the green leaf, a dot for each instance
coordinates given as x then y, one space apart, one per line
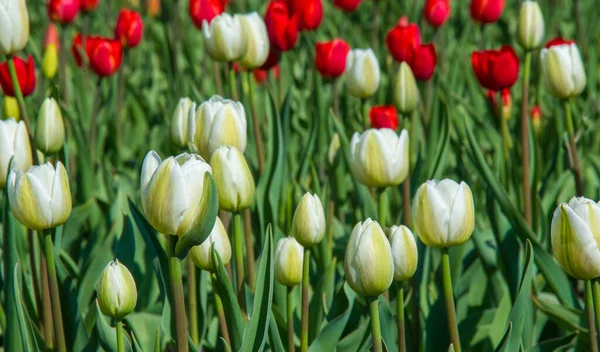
274 338
555 344
107 334
25 327
338 317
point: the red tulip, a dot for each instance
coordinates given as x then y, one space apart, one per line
205 10
89 5
347 5
558 41
423 61
402 39
130 28
436 12
282 26
260 75
308 12
486 11
331 57
51 36
104 55
496 69
63 11
25 76
384 117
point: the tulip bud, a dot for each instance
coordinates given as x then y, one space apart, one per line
384 117
436 12
443 213
403 39
205 10
14 26
536 120
362 73
309 13
88 5
130 28
486 11
233 178
153 8
496 69
201 255
289 256
258 41
406 92
25 76
14 142
282 25
216 123
563 69
104 55
49 128
379 157
334 147
63 11
506 104
117 292
50 61
404 252
11 108
368 263
40 198
531 25
225 38
331 57
574 236
308 224
179 122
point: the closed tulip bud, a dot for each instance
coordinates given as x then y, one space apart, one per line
406 92
424 61
334 148
331 57
205 10
63 11
25 76
531 25
103 55
14 142
201 255
225 38
486 11
404 252
443 213
14 26
117 292
362 73
154 8
233 178
40 198
506 109
282 25
130 28
368 263
179 122
308 224
563 69
49 128
258 41
289 255
50 61
309 13
575 235
536 120
218 122
379 157
436 12
11 108
384 117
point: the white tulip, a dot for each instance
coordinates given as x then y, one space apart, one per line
235 184
362 73
117 292
201 255
531 25
14 26
404 251
50 128
406 92
14 142
225 38
308 224
179 122
258 41
289 256
563 70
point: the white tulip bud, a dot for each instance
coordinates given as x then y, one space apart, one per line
563 70
531 25
225 38
179 122
50 128
14 26
201 255
404 252
235 184
289 256
117 292
14 142
308 224
258 41
406 92
362 73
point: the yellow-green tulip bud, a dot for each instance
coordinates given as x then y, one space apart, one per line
563 70
11 108
217 123
406 92
14 26
50 128
40 198
117 292
368 262
404 252
225 38
201 255
379 158
443 213
14 142
575 235
362 73
258 41
531 25
289 255
233 178
179 122
50 61
308 224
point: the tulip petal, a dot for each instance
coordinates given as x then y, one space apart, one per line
578 70
149 166
61 196
462 216
29 201
228 128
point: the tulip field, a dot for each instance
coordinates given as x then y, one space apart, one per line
299 175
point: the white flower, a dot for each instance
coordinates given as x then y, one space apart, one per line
117 292
531 25
14 141
362 73
179 122
308 224
404 252
14 26
563 70
406 92
289 255
235 184
225 38
258 41
50 128
201 255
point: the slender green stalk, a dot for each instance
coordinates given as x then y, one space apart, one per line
589 308
449 297
120 98
305 271
238 238
573 147
178 299
364 109
249 249
525 139
193 302
47 305
413 148
220 311
382 205
596 293
218 80
400 318
255 124
290 319
62 61
120 343
232 83
59 331
375 324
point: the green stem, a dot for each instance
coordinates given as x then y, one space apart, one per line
596 293
249 249
364 107
305 272
193 302
525 139
589 307
178 299
400 317
573 147
382 202
375 324
120 343
59 331
255 125
238 238
220 311
290 319
449 297
232 83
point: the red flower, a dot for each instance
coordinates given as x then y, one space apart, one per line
496 69
25 76
282 26
402 39
436 12
559 41
89 5
347 5
331 57
384 117
63 11
51 36
308 12
486 11
130 28
536 114
104 55
423 62
261 75
205 10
